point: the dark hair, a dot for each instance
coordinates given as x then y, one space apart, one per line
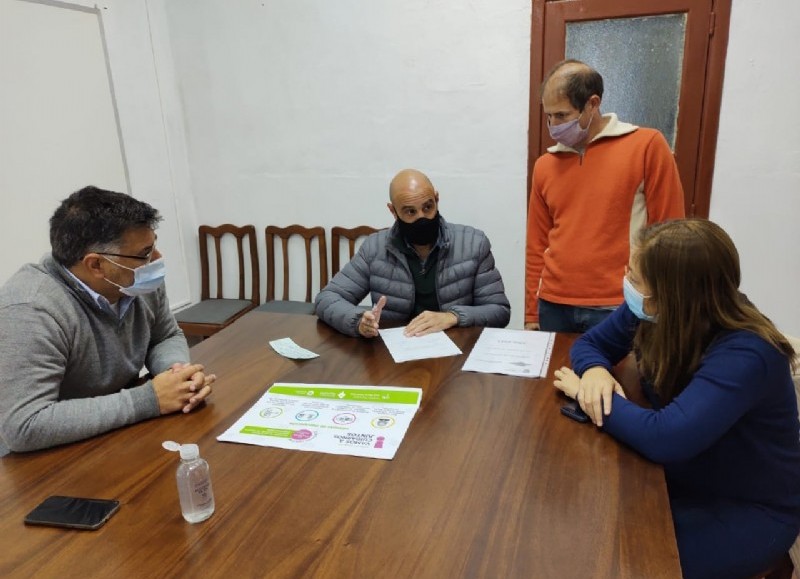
691 268
579 84
93 219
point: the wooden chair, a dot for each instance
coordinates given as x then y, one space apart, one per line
351 235
210 315
285 305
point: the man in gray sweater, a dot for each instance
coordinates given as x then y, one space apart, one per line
424 271
77 328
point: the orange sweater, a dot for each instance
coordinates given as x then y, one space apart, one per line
584 211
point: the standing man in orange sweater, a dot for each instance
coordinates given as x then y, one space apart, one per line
592 192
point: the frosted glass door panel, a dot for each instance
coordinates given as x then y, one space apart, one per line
641 63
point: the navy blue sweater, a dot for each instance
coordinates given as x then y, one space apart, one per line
732 434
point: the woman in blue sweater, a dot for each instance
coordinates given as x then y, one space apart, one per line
724 413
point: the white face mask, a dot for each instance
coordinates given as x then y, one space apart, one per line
146 278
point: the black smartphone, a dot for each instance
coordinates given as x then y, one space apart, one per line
574 411
72 512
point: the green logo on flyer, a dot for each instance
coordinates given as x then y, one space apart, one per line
263 431
330 392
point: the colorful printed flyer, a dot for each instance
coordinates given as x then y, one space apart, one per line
368 421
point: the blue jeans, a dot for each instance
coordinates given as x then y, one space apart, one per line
574 319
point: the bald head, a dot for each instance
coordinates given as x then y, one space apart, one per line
408 180
573 80
411 195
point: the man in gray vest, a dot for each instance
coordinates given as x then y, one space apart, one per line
425 272
77 328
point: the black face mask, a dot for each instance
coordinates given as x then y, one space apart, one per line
423 231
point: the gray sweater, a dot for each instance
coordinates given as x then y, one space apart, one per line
467 282
68 367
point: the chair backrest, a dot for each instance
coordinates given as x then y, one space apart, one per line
239 233
351 235
308 234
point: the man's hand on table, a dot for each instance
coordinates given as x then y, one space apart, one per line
182 387
428 322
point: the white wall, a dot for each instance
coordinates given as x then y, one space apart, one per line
58 129
76 76
756 193
303 111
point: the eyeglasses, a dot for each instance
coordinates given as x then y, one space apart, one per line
143 258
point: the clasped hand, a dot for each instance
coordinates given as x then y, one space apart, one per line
182 387
593 391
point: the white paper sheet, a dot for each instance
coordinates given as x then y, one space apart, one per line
288 348
368 421
513 352
403 348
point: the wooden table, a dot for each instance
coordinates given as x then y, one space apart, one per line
490 481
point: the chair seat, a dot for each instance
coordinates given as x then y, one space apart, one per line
287 307
213 311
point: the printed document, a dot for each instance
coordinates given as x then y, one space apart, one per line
513 352
405 348
368 421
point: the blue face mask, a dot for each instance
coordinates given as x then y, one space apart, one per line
635 301
146 278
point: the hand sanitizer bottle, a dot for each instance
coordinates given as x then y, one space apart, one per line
194 483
